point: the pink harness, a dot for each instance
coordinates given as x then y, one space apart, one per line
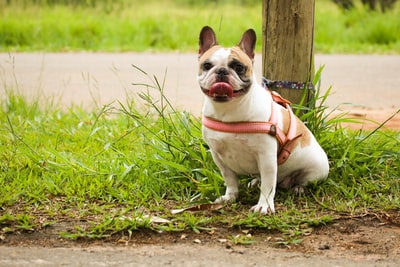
286 140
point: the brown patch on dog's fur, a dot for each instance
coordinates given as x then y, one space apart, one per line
239 54
207 55
285 118
305 139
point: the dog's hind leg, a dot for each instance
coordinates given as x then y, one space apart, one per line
298 180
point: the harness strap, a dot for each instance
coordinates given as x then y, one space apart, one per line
286 146
286 140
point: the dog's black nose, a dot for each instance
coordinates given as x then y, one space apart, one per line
222 72
222 75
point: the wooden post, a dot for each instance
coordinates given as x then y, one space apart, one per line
288 37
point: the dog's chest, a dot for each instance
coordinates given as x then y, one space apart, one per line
239 152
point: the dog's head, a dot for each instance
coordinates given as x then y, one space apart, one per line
225 73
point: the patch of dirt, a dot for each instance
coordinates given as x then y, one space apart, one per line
368 235
372 237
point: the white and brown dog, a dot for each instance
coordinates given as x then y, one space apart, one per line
248 132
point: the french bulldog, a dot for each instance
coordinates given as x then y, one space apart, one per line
247 131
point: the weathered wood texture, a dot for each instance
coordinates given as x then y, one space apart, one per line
288 37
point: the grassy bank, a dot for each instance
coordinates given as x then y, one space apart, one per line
119 169
174 25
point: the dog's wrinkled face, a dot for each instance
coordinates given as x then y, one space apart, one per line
225 73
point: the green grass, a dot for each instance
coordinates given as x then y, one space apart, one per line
175 24
356 31
115 169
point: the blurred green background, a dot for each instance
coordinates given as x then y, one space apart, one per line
341 26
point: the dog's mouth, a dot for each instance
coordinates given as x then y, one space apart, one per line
222 92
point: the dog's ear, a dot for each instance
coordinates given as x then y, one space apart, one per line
248 42
207 39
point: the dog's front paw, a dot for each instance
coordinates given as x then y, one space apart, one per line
230 198
263 208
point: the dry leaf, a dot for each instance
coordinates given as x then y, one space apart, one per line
155 219
199 207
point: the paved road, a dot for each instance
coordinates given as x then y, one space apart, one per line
180 256
368 82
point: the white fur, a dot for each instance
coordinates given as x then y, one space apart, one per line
255 154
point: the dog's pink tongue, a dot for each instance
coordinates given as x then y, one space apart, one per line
221 89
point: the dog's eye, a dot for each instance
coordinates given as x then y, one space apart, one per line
207 66
238 67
